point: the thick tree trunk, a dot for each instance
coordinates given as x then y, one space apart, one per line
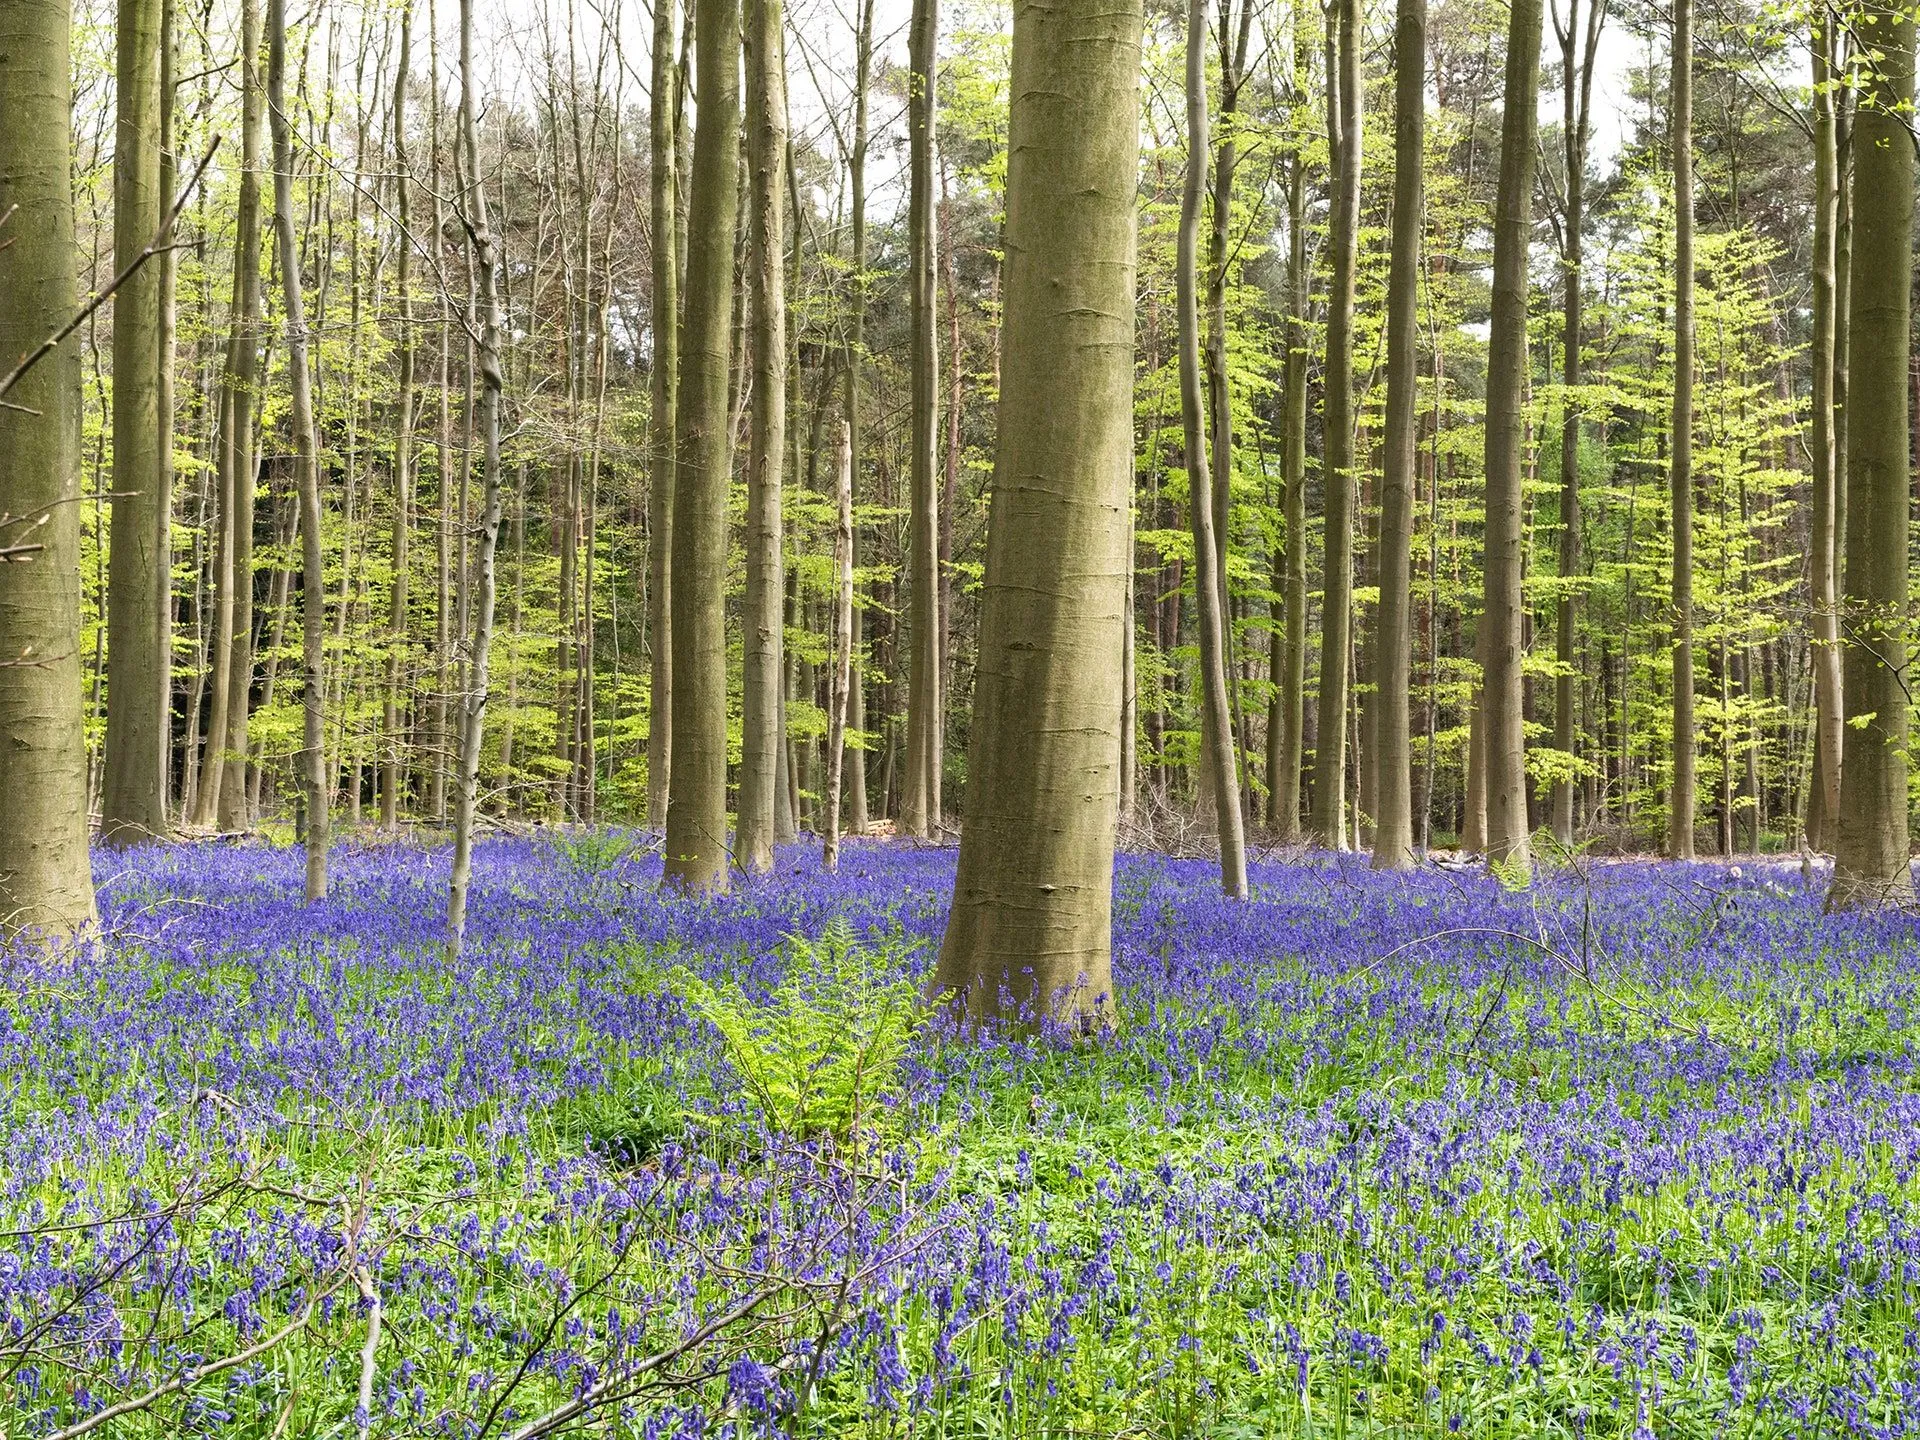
663 399
473 706
1217 749
1871 864
762 621
1336 612
1031 923
920 796
696 843
139 577
313 595
1823 795
1502 617
1680 801
45 882
1393 630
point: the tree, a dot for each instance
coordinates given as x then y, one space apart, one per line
1680 804
696 842
1218 750
1031 923
1871 853
221 796
920 796
663 131
1829 726
393 769
473 708
855 358
1393 632
1344 134
764 618
1504 605
840 680
133 805
313 594
45 882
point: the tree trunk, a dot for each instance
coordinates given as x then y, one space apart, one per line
762 621
696 843
1393 630
1217 749
663 398
1290 696
1870 858
1680 802
393 767
139 577
233 561
313 595
473 706
1823 796
920 796
45 883
840 678
855 367
1336 612
1031 922
1502 618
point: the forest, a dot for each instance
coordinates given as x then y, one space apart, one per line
1024 718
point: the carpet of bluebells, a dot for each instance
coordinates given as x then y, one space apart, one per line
1632 1154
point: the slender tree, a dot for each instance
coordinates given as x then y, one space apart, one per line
764 620
313 594
840 677
1504 606
1829 725
1218 751
1031 923
853 375
139 577
1680 804
393 761
662 178
45 883
1344 133
1871 862
920 795
1392 637
473 704
696 843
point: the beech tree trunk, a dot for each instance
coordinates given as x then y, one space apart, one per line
313 594
763 620
1286 725
473 704
1031 924
663 395
139 575
1392 637
46 885
1871 856
1503 613
1681 800
1344 122
696 842
840 677
1217 749
393 761
1829 725
920 795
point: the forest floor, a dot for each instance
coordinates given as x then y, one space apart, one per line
1632 1154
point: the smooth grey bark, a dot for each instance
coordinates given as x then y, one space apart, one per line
1392 637
920 794
1681 799
393 738
1030 930
1286 724
46 885
313 595
856 355
1871 864
1502 721
139 574
840 676
1218 751
696 843
763 620
473 701
1823 794
663 393
1344 126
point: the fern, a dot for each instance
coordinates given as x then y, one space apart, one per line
824 1054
